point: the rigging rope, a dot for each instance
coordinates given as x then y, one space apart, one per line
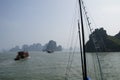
68 64
71 40
70 61
71 54
92 55
89 25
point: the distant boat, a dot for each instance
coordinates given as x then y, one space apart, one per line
50 51
22 55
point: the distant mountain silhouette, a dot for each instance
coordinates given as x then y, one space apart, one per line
16 48
25 47
105 42
37 47
52 46
33 47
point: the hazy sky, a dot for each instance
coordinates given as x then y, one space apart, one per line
38 21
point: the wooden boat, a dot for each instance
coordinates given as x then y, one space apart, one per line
50 51
22 55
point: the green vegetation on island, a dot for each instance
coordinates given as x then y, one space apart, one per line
105 42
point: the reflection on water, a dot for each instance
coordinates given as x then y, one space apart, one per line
44 66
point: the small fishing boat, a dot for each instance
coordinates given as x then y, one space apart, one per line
50 51
22 55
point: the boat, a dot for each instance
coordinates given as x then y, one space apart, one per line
49 51
22 55
81 32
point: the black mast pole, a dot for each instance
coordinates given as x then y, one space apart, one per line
81 51
83 40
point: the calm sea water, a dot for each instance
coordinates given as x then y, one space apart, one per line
44 66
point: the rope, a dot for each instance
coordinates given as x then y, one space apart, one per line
71 40
70 61
71 54
92 56
89 25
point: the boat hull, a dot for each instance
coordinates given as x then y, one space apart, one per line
22 55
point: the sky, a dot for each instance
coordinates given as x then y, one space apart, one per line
38 21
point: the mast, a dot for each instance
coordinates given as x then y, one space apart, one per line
82 61
83 43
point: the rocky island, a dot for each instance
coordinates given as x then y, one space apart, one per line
106 42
